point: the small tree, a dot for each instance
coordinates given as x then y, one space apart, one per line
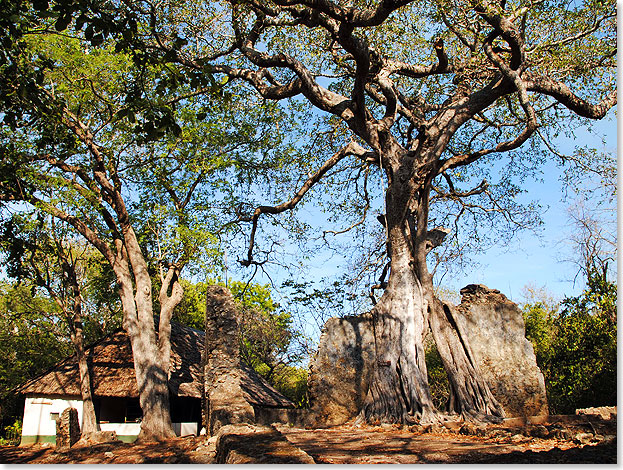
576 345
30 340
44 256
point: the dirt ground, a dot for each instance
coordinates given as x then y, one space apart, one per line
349 444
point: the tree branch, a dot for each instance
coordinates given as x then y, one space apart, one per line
561 93
351 148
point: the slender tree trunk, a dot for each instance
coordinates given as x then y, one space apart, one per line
89 419
168 302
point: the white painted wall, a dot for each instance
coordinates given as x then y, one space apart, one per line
37 410
122 429
38 420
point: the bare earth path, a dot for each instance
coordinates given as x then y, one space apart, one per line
344 445
340 446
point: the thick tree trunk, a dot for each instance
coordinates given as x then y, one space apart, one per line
399 391
151 375
470 395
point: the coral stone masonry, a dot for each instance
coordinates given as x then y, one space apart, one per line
225 400
493 325
496 331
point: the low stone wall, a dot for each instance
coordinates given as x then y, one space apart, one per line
293 416
602 412
253 444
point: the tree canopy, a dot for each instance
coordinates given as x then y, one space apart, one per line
450 103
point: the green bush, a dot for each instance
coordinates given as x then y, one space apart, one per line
12 434
437 377
576 346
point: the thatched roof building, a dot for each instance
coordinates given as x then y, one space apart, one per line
112 369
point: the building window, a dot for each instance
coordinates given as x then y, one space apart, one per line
54 416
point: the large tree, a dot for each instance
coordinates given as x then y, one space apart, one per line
425 88
122 173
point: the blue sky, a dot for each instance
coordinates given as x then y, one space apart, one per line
535 260
538 261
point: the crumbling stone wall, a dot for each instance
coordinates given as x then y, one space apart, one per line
67 429
224 399
341 371
496 331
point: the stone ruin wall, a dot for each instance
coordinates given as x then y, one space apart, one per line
341 371
224 399
496 332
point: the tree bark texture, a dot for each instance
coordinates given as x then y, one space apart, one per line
89 419
399 391
151 374
470 395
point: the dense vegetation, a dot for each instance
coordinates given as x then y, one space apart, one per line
575 343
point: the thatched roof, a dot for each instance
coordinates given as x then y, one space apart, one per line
112 371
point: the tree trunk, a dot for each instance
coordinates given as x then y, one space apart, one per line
168 302
470 395
89 419
151 376
399 391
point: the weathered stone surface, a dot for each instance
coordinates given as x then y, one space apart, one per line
97 437
249 444
603 412
225 401
341 371
67 429
495 329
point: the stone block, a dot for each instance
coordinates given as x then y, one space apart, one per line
493 325
496 333
341 370
225 402
67 429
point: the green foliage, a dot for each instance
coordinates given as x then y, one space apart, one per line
30 340
12 433
291 381
268 339
576 346
437 377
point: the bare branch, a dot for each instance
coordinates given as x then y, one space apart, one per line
351 148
